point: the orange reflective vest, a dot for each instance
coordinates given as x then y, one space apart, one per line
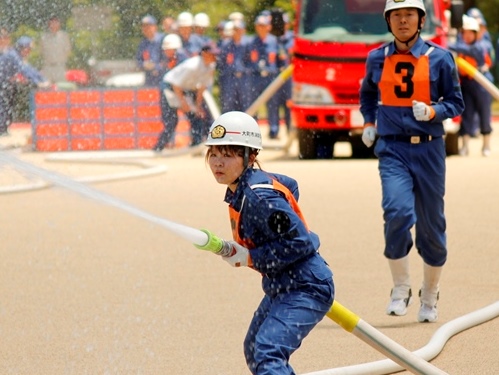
235 216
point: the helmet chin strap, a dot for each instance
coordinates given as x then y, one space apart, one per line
406 42
245 164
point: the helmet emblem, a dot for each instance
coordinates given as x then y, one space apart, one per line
218 132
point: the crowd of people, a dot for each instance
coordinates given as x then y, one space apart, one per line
244 66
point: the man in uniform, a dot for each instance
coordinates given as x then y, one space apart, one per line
185 85
14 70
410 87
232 76
149 52
261 60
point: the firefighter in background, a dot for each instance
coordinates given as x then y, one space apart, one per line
410 87
476 98
201 22
261 60
232 76
191 42
149 53
184 89
173 55
15 70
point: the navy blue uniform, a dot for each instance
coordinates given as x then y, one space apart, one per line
286 44
149 51
261 60
233 77
412 174
296 280
192 46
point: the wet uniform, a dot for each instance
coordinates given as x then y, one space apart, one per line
233 77
296 280
411 153
261 60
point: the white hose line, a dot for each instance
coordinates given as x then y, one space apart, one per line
211 104
21 188
428 352
148 170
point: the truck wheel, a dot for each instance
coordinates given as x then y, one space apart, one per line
452 143
307 144
360 150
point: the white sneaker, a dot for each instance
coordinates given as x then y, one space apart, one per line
427 314
397 305
486 152
463 151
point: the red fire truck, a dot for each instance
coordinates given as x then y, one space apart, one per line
333 38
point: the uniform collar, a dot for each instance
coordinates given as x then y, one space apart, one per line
416 49
235 198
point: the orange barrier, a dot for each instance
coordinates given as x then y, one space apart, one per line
99 119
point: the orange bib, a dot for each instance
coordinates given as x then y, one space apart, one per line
404 79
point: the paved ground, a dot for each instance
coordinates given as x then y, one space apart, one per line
86 288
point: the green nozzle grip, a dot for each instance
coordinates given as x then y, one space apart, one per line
214 243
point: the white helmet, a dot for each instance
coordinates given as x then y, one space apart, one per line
235 128
185 19
171 41
201 20
399 4
229 29
236 16
470 23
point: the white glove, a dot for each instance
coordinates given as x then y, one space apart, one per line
422 112
240 257
369 135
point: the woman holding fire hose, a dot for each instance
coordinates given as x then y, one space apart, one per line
272 237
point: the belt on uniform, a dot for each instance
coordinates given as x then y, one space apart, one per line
414 139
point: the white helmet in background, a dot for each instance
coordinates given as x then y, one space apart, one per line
229 29
470 23
171 41
400 4
185 19
236 16
235 129
201 20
